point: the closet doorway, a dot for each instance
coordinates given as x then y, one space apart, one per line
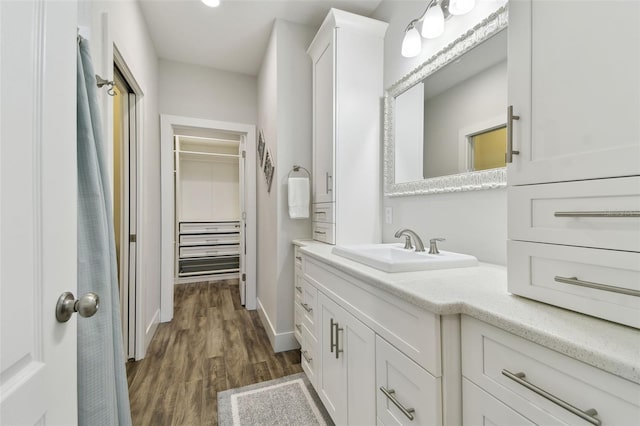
208 183
125 205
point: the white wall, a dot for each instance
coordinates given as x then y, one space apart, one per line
127 29
472 222
201 92
284 115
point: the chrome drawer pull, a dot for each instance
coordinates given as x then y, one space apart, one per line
331 324
299 289
604 213
307 307
406 411
299 328
306 356
587 415
338 350
508 157
597 286
320 232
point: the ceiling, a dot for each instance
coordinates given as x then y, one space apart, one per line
234 36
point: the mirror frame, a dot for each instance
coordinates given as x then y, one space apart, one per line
469 181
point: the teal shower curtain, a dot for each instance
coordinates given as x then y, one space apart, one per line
103 397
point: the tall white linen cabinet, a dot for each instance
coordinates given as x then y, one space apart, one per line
347 55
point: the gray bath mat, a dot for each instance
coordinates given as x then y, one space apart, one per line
289 400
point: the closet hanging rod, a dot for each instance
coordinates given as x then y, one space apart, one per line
296 169
205 138
100 82
209 154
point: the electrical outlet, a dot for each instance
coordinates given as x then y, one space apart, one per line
388 215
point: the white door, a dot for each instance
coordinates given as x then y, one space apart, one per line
37 211
243 221
573 81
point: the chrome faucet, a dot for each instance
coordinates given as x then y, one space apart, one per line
408 234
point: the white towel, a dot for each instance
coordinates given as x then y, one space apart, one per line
299 197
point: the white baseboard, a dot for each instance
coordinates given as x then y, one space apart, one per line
280 342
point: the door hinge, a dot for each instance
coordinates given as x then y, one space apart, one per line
244 277
244 154
132 238
244 215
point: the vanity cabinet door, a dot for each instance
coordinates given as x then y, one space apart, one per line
347 372
323 125
480 408
573 81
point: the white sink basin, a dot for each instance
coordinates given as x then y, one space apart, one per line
394 258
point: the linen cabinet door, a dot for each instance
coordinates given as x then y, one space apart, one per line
323 125
573 81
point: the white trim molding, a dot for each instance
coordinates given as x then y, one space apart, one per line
167 125
280 342
470 181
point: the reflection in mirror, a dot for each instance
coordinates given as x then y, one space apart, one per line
447 118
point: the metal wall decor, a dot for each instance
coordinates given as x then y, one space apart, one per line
261 147
269 169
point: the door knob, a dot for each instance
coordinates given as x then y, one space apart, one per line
86 306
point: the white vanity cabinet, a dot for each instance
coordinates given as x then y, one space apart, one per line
573 81
347 63
378 357
509 380
347 376
574 186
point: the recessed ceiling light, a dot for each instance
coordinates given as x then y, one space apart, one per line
211 3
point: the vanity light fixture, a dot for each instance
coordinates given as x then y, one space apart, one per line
433 18
412 43
211 3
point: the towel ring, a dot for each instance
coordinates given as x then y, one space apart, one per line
296 169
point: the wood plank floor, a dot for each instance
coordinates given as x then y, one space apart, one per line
212 344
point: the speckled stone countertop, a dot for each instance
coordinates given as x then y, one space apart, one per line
481 292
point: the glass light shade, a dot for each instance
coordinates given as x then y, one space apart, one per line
460 7
211 3
433 23
412 43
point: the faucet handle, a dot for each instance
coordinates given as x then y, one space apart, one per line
407 242
433 245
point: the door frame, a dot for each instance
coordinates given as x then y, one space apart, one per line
114 57
168 123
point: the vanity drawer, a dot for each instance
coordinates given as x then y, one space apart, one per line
325 232
309 355
480 408
208 227
595 213
297 322
209 239
415 331
414 389
208 251
545 272
324 212
518 372
297 257
309 304
298 291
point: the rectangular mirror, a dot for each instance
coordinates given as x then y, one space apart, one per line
445 121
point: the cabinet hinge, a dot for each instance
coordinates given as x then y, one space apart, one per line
244 277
